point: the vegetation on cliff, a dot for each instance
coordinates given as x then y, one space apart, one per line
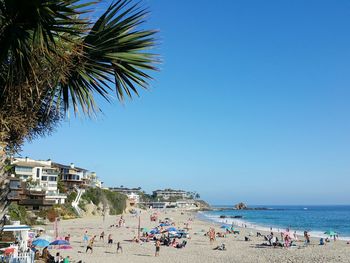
116 202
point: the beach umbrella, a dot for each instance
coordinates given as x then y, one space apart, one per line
46 237
225 227
331 233
154 231
65 247
163 224
40 243
9 250
171 229
59 242
144 229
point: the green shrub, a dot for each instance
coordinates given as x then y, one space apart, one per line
71 197
19 213
115 201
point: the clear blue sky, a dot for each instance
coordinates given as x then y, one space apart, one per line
251 104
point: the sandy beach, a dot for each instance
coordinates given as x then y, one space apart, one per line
198 248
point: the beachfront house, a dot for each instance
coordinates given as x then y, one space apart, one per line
171 194
90 179
71 176
40 176
188 204
31 199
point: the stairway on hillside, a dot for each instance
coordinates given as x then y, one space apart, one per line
76 201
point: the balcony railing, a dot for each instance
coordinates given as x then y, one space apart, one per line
36 202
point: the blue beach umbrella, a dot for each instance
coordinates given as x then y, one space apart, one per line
171 229
154 231
40 243
59 242
225 227
164 224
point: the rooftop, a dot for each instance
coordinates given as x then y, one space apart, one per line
68 166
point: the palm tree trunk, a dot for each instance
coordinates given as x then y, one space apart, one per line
4 188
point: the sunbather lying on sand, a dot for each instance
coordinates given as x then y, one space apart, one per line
221 247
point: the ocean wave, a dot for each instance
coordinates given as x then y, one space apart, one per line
246 224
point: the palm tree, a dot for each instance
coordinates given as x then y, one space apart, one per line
55 59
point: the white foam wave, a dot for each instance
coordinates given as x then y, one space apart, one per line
247 224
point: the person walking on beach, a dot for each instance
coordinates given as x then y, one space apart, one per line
307 238
90 244
85 238
110 240
157 248
211 235
119 248
102 236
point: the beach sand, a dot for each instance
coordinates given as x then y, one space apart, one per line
198 249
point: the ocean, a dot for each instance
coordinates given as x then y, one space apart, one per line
315 219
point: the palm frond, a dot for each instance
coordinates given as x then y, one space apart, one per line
115 53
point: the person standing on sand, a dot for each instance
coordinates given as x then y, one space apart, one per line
119 248
85 238
110 240
157 248
211 235
307 238
102 236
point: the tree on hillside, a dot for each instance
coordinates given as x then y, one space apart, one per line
54 59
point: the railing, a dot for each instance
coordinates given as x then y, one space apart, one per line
76 201
25 257
36 202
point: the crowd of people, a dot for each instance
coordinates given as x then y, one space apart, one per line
48 258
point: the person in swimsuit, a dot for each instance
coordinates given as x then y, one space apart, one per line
102 236
110 240
157 248
90 244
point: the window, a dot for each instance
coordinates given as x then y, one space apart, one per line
43 178
52 178
23 169
37 172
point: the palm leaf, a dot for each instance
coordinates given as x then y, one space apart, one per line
114 53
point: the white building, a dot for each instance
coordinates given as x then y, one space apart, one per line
37 171
133 194
170 193
134 197
91 180
41 175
